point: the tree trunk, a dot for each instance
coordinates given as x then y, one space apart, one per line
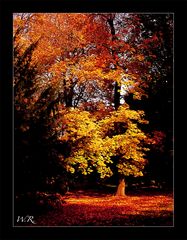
121 188
117 96
68 95
117 87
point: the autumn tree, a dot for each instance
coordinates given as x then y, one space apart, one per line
94 145
86 65
34 158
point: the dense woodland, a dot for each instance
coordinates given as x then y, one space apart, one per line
93 102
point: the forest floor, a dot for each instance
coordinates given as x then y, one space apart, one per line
91 208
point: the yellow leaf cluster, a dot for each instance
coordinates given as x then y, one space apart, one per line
94 150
